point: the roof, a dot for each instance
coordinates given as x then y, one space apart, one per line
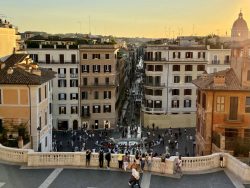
240 23
206 81
21 75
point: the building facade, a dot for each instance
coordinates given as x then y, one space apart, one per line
26 99
65 62
101 86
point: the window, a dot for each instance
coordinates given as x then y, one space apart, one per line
47 58
173 55
188 79
187 103
106 108
175 103
149 103
220 104
247 107
40 122
106 56
96 68
96 56
179 55
107 68
176 67
96 109
157 104
150 67
45 118
73 83
199 54
248 75
200 67
73 58
45 91
73 72
175 92
107 80
85 111
158 92
176 79
46 141
189 55
107 94
62 83
73 96
62 109
62 96
84 95
96 81
85 81
84 56
204 55
74 110
50 108
188 67
61 57
187 91
96 95
204 101
233 111
0 96
227 59
61 72
39 95
85 68
158 68
149 92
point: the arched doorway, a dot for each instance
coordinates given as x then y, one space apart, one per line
75 125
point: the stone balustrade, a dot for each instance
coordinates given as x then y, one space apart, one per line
78 159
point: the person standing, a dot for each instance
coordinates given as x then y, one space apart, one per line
125 161
101 158
179 165
143 159
163 163
108 158
119 158
149 161
88 155
221 161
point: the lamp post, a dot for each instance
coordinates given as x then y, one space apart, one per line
39 143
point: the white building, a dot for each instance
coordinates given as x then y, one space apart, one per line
65 62
170 96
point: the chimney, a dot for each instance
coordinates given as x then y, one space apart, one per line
219 80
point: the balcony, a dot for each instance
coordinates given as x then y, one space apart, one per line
73 75
237 119
188 59
153 110
154 59
90 85
61 75
215 62
159 85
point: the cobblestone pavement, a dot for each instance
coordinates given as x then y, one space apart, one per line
13 177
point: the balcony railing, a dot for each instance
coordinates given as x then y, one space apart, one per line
230 119
152 110
154 59
73 75
148 84
61 75
99 85
216 62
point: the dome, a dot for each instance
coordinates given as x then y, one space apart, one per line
239 30
240 23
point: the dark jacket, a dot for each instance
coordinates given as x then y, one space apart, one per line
108 156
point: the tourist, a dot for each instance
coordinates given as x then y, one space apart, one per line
143 159
163 163
108 158
101 158
135 177
179 165
149 161
221 161
88 155
126 161
120 160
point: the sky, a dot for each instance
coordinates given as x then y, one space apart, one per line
128 18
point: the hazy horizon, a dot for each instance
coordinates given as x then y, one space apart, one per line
133 18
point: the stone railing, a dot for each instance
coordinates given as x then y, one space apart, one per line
14 155
78 159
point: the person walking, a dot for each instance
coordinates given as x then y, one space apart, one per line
135 178
108 158
101 158
143 159
88 155
149 161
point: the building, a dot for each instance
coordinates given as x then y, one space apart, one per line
10 40
101 85
65 61
223 113
239 30
218 59
26 98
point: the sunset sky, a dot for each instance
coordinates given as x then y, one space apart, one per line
132 18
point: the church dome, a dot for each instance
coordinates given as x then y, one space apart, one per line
240 28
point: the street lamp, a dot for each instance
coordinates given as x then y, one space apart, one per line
39 143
